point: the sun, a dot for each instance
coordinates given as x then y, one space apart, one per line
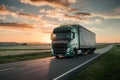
44 38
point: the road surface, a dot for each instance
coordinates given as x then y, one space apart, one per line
45 68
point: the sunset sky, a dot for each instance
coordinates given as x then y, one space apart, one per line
34 20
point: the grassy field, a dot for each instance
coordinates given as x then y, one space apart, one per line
20 53
27 47
20 50
106 67
14 58
98 46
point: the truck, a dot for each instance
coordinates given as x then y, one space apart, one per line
72 40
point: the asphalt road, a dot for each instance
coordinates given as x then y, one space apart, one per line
45 68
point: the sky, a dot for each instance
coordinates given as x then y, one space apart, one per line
34 20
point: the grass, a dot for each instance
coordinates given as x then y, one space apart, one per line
106 67
7 59
98 46
22 57
24 48
21 49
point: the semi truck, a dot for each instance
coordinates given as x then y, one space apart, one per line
72 40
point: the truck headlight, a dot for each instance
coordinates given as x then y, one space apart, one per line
52 51
68 50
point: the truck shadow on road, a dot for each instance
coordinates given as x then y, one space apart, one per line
64 64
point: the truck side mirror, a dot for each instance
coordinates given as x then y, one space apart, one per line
72 35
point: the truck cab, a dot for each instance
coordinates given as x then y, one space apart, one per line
63 41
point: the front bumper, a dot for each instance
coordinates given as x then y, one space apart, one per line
62 53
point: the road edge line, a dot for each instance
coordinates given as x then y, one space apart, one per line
7 69
73 69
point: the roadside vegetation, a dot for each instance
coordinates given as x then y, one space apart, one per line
21 49
106 67
98 46
24 47
14 58
19 53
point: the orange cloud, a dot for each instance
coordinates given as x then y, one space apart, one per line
56 13
74 17
41 23
72 9
63 14
2 18
15 26
53 3
77 16
29 16
46 27
117 10
5 11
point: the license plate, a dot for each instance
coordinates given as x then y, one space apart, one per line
59 54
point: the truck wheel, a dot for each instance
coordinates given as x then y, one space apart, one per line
75 53
83 52
91 51
56 57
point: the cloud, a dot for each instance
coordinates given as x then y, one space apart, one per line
42 24
53 3
46 27
29 16
115 14
82 14
4 11
2 18
15 26
98 21
55 13
78 16
117 10
107 16
74 17
65 15
72 10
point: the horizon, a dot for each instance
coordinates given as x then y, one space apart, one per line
49 43
33 20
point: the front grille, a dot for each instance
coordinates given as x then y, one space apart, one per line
59 48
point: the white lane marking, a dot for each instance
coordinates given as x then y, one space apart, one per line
80 65
7 69
75 68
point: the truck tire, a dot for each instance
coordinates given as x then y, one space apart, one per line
74 53
91 51
83 52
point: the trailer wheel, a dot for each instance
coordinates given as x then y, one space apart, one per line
91 51
83 52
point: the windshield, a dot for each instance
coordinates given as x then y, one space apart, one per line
61 36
